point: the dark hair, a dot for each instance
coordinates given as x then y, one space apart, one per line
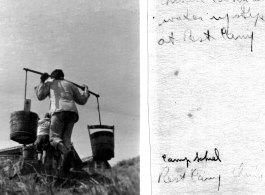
47 115
57 74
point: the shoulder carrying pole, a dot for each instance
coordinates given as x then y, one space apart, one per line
83 88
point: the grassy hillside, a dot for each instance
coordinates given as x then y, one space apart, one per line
123 179
128 173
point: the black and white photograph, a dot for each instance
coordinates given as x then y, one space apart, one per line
70 97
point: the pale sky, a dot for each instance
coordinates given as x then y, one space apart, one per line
95 43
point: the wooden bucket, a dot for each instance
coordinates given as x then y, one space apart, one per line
102 141
28 152
23 126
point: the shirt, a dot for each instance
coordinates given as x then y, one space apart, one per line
63 95
43 127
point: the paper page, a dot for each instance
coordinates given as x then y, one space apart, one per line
207 96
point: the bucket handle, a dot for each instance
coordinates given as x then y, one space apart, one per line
113 128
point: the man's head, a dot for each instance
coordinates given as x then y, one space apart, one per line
47 115
57 74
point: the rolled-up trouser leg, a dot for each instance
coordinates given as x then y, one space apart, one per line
68 129
71 118
56 129
62 124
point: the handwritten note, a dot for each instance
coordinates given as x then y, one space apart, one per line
231 28
193 174
207 96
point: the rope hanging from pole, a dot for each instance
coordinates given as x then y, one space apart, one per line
99 112
26 85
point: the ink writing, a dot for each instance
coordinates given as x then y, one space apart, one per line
176 159
206 158
241 172
194 175
228 31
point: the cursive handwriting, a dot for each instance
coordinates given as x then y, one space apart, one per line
234 1
240 172
197 158
189 36
194 174
176 160
187 16
226 34
171 39
246 14
164 176
167 2
206 158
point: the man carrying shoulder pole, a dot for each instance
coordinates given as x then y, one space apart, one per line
63 111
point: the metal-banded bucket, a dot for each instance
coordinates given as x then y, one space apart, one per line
102 141
28 152
23 126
